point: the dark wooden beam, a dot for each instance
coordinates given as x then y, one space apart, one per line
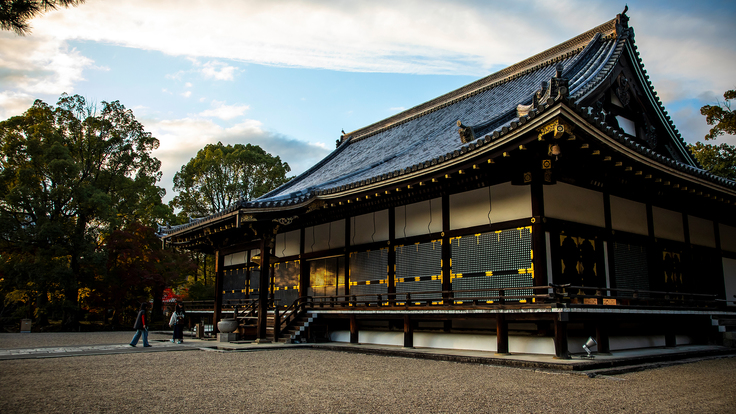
561 350
219 276
346 252
408 332
601 337
303 267
446 248
263 288
539 240
353 329
502 334
392 250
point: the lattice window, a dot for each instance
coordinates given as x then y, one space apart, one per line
500 259
631 268
369 272
286 282
255 282
419 269
233 284
327 277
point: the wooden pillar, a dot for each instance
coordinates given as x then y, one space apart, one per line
391 254
347 256
408 332
219 264
263 290
670 339
446 248
502 334
353 329
303 267
247 274
539 240
601 337
561 351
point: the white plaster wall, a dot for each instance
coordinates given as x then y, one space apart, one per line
517 344
381 338
728 237
510 202
287 244
369 228
668 224
507 202
418 218
238 258
701 231
628 215
572 203
324 237
632 342
617 343
729 278
227 260
455 341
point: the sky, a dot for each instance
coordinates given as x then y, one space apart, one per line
289 75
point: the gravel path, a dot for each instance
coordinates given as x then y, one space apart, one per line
316 381
34 340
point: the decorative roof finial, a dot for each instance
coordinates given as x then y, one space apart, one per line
622 22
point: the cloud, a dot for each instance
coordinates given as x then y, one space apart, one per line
14 103
686 46
429 36
218 71
181 139
186 94
224 112
34 65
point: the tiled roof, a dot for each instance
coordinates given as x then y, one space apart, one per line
428 134
429 131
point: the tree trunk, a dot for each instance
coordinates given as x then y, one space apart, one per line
157 311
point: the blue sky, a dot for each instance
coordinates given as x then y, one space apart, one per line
289 75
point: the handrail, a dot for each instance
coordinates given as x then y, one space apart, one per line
639 296
292 312
444 296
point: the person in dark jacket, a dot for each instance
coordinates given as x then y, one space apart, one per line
177 322
141 326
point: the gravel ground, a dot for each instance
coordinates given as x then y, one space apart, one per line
34 340
315 381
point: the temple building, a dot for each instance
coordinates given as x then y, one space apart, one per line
546 203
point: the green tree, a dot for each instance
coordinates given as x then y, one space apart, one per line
721 116
718 159
137 268
69 175
15 14
219 175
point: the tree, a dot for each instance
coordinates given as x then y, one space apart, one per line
137 267
68 176
718 159
721 116
15 14
219 175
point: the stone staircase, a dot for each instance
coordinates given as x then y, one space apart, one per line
296 332
726 329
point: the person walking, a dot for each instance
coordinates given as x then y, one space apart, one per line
141 326
177 321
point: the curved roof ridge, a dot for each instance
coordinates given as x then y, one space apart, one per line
546 57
